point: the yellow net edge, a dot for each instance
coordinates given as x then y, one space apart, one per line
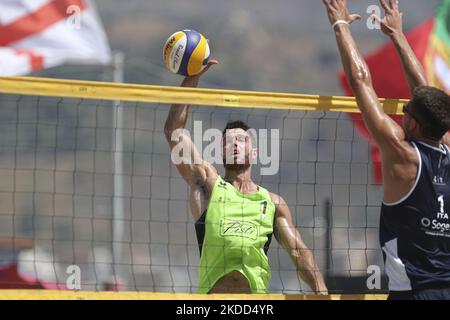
104 295
178 95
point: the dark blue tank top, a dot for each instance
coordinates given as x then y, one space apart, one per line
415 232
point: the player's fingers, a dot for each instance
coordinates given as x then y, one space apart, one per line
394 5
382 22
209 65
385 6
354 17
333 4
329 5
326 3
377 18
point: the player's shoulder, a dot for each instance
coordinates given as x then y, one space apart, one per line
211 174
277 199
210 169
281 207
404 152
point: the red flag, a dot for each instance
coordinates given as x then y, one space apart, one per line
389 80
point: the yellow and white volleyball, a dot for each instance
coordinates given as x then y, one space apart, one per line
186 53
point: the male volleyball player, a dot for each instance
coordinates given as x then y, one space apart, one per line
415 224
235 218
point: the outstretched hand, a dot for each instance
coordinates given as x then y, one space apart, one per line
392 22
192 81
338 10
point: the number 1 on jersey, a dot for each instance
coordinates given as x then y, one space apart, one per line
441 202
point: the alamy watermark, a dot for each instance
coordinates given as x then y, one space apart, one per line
74 17
73 281
264 148
372 23
374 280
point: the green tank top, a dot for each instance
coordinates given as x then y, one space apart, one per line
236 234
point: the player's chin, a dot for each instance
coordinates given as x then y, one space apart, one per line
236 166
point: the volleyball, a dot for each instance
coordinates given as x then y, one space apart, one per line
186 53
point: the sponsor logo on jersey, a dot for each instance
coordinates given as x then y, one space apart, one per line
235 228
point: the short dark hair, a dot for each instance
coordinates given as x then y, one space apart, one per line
431 106
236 124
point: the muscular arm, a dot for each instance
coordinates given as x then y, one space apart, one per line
414 71
388 135
178 114
189 162
290 239
392 26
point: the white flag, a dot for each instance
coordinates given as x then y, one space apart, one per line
38 34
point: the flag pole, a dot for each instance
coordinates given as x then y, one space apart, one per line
118 193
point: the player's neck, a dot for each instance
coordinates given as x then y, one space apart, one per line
241 180
430 142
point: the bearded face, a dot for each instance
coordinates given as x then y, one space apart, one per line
237 150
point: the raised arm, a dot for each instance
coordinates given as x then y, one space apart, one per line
386 132
289 238
392 26
188 160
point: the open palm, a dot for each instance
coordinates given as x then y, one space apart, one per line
393 20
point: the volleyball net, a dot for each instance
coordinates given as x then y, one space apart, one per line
90 199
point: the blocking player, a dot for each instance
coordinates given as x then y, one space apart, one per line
415 225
